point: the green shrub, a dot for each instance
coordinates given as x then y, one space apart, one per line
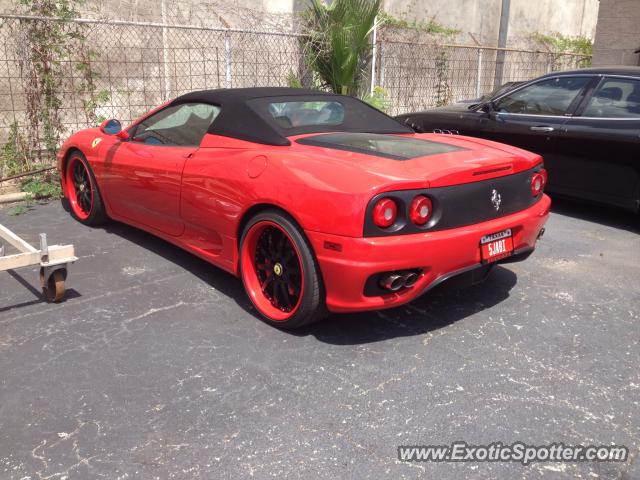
41 186
379 99
14 154
431 26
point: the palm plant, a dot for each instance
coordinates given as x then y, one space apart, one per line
337 46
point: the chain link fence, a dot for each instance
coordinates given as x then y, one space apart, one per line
420 76
137 66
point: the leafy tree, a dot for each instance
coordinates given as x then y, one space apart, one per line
337 46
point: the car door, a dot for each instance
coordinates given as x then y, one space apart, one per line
600 145
143 174
532 117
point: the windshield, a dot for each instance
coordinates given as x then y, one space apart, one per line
502 89
496 92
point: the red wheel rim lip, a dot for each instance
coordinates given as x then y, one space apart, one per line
250 274
71 191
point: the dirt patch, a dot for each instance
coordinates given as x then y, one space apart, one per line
10 186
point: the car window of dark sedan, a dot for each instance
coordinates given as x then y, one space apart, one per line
178 125
547 97
615 98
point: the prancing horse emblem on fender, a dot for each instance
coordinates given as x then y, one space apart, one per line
95 142
496 199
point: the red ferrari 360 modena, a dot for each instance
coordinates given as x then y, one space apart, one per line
318 202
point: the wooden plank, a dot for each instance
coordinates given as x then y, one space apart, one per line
57 254
15 240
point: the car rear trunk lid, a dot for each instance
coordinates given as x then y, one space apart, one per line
436 159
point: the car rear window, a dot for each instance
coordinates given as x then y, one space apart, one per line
388 146
304 114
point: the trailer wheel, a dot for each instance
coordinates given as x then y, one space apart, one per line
53 287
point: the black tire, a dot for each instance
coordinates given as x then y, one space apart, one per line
311 302
97 214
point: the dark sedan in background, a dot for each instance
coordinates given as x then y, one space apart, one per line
585 123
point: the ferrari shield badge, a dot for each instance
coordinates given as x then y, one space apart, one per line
96 142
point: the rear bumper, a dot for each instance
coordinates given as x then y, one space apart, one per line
440 255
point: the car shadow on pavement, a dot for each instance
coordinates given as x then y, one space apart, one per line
217 278
609 216
440 307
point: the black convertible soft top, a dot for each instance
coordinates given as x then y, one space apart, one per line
244 114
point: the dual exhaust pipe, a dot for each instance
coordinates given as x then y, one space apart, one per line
394 281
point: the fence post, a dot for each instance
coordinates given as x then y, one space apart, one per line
227 60
381 66
479 75
549 62
502 42
374 54
165 54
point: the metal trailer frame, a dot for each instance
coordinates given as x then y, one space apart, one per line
53 261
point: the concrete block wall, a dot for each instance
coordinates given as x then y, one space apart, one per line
618 33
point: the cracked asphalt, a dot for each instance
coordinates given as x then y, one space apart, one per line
155 367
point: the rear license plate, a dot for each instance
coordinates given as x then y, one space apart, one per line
496 246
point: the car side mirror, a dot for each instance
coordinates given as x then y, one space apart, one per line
113 127
488 107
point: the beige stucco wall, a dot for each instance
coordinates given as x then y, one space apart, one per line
618 33
481 18
256 14
569 17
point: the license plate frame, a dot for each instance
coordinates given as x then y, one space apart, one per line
496 246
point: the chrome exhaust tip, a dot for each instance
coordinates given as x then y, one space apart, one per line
540 233
393 282
410 279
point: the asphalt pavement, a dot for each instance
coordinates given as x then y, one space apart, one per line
156 366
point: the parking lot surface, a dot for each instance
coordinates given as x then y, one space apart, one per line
156 366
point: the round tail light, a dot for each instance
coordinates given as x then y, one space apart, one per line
420 210
385 212
545 176
538 181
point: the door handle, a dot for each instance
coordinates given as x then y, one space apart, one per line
542 128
